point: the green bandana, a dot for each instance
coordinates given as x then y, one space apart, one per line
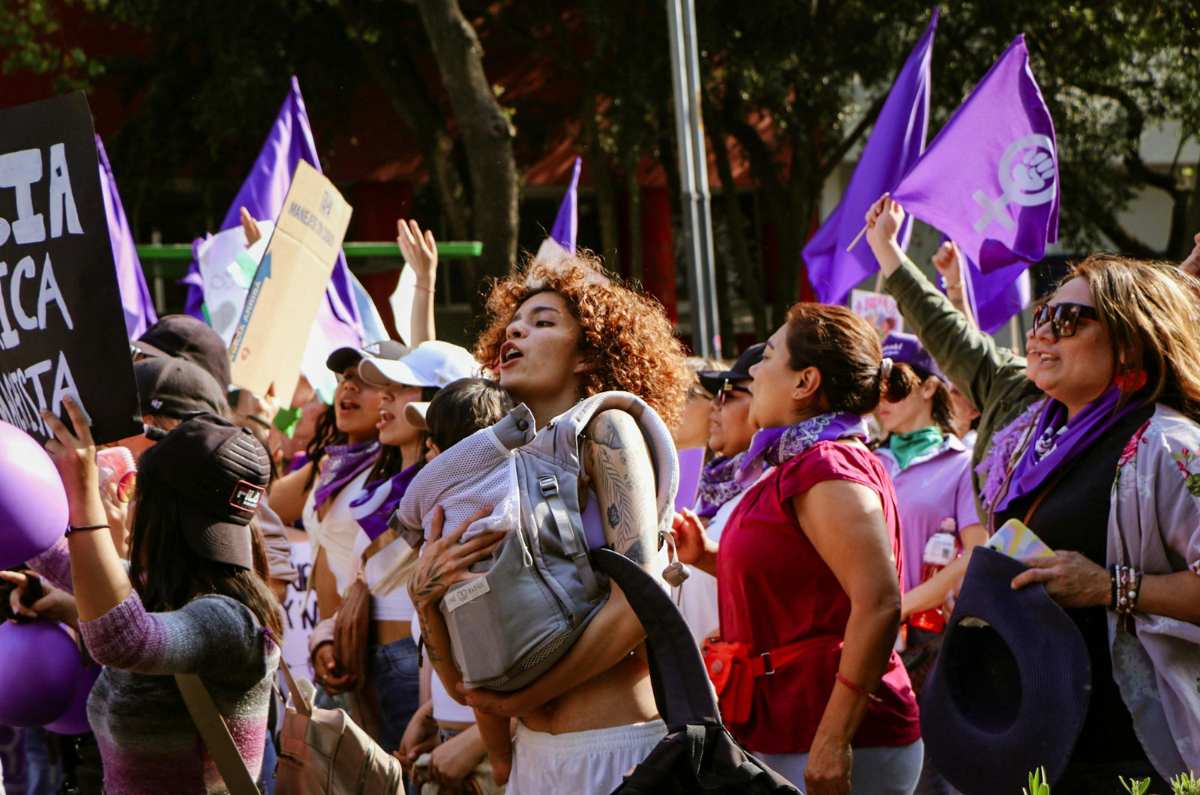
906 447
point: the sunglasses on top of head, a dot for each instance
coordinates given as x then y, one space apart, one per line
1063 318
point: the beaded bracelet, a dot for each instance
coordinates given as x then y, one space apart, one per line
1126 586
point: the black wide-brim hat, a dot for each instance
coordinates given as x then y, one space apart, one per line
1010 689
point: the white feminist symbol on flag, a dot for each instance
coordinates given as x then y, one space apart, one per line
1027 181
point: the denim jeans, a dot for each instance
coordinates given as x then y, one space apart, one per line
393 674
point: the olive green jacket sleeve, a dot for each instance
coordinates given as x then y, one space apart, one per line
992 378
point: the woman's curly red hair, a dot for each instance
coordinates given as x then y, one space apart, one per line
626 334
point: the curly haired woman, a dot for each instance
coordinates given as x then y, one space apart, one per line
558 334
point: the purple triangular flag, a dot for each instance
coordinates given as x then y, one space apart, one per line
131 280
289 141
989 181
895 144
566 225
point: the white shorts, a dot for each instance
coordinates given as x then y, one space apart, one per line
586 762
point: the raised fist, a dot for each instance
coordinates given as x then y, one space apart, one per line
1033 172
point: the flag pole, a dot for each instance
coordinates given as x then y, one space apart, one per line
693 177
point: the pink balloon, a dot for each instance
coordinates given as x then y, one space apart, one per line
39 669
75 719
33 505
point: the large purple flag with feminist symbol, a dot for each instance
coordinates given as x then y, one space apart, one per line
566 224
131 280
989 181
895 144
289 141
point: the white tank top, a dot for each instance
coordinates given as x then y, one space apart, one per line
343 539
337 532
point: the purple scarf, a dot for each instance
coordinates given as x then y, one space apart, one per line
725 478
346 462
1053 441
376 503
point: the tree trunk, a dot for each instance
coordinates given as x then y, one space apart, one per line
602 182
633 197
735 221
486 132
426 122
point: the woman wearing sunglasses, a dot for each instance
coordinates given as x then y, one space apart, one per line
730 430
1094 433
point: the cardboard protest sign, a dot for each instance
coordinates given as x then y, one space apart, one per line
268 345
62 328
878 309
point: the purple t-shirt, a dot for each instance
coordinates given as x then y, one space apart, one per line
929 490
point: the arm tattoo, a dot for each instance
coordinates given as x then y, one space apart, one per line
620 472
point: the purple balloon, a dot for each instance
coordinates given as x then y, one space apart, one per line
33 505
39 666
75 719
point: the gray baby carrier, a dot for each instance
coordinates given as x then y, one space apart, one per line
540 590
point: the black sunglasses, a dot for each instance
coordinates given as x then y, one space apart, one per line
728 389
1063 318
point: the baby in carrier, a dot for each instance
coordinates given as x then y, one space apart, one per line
451 420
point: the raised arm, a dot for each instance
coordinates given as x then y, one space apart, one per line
98 575
618 464
982 370
420 252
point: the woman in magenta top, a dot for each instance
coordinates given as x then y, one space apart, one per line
808 569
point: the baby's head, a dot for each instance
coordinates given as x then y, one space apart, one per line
458 410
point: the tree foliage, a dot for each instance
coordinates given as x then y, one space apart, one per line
789 88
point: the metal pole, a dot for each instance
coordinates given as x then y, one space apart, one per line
693 177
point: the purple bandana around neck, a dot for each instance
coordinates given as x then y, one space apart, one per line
725 478
1056 440
346 462
375 504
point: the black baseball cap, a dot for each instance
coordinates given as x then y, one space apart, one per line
716 381
185 337
176 388
219 472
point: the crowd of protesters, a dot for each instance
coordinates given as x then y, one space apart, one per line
834 462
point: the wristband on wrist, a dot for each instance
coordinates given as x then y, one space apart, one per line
86 528
423 288
857 688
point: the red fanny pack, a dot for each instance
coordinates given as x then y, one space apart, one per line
733 667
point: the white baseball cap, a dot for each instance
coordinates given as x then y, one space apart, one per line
431 364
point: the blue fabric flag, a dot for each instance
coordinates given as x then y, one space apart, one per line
895 144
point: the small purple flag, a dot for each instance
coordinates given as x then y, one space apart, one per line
131 280
995 297
262 194
989 180
566 225
895 144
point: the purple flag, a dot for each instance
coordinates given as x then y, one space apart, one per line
995 297
131 280
566 225
262 194
989 180
895 144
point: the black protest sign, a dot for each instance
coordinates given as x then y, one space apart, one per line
62 329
